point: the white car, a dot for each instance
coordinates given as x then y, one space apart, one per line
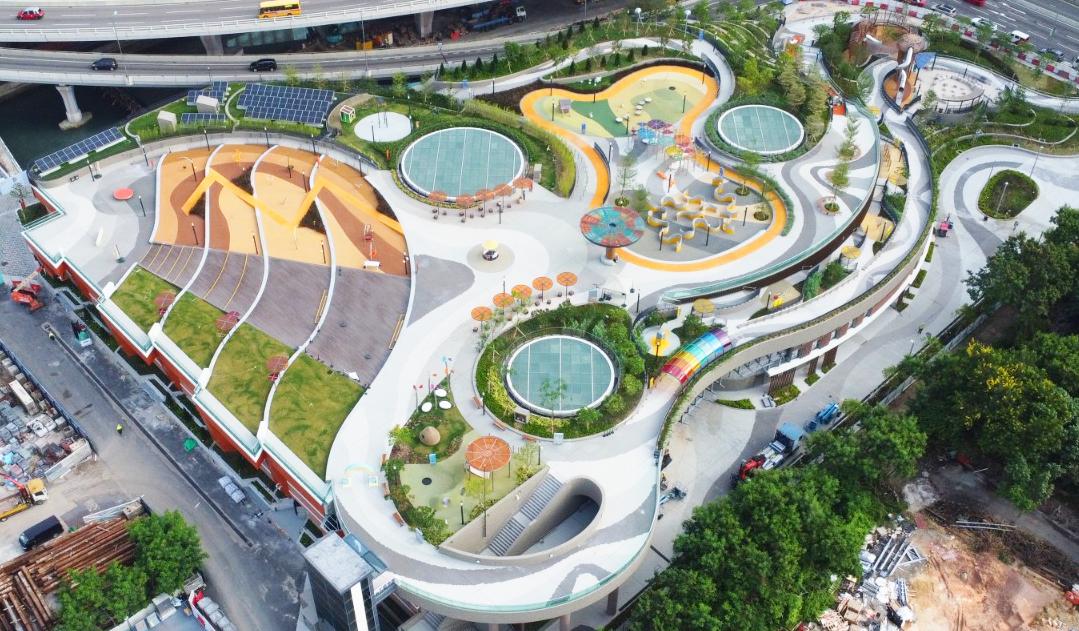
979 22
946 9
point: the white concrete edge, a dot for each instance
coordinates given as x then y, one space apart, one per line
157 195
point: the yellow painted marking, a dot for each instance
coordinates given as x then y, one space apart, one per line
321 305
220 273
238 283
157 253
180 253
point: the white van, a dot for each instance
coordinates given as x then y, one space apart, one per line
1019 37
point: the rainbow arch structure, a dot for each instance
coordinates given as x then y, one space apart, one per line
700 352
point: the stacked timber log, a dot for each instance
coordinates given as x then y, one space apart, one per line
24 581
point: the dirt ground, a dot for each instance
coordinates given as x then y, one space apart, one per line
963 589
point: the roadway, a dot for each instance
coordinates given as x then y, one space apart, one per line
93 20
1050 23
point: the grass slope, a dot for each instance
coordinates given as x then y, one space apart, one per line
309 406
136 295
192 324
241 380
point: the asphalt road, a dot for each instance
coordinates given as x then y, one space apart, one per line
98 20
1050 23
254 571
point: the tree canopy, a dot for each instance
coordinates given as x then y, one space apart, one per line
763 557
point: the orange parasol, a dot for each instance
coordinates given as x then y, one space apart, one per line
437 196
487 454
484 194
521 292
503 190
523 183
682 140
481 314
464 201
567 279
503 300
542 283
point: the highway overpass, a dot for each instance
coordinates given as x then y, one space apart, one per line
102 20
69 68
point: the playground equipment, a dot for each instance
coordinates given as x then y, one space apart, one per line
26 292
677 207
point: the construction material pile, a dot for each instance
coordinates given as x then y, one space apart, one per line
26 580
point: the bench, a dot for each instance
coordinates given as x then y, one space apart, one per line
385 490
530 439
478 402
400 520
384 460
500 425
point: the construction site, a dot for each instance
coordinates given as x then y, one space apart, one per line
40 442
27 582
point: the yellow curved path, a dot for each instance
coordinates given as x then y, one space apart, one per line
533 114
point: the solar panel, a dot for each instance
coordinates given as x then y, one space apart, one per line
190 118
217 89
98 141
271 102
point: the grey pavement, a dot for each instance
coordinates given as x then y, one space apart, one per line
254 570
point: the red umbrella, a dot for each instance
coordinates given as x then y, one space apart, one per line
437 196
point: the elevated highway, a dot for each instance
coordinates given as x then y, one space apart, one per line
101 20
70 68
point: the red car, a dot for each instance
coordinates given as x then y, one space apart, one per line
30 13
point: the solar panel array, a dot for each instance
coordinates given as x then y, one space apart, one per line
271 102
217 90
190 118
79 149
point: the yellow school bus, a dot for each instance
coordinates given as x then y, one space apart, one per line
279 8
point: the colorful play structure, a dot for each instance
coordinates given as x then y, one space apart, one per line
700 352
677 207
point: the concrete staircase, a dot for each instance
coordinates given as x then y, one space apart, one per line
529 511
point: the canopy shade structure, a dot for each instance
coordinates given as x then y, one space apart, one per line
612 227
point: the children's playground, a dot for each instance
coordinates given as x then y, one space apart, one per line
693 214
663 93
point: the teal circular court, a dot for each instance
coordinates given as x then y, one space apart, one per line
761 129
461 161
557 375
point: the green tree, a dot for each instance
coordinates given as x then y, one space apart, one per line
1058 356
167 549
589 418
19 192
1027 274
840 19
82 601
839 178
125 590
885 445
292 75
931 25
984 34
400 85
701 13
677 594
318 77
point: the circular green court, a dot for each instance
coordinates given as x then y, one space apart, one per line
558 375
461 161
761 129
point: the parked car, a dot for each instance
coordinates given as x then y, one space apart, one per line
30 13
263 65
946 9
978 22
105 63
1052 53
41 532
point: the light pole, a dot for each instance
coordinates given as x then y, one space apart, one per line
206 137
142 206
363 36
116 34
1036 156
1003 191
637 33
266 131
194 172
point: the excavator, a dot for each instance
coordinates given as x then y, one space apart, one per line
26 292
26 495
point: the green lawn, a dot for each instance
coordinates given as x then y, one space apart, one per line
146 125
241 380
309 406
136 295
451 428
601 113
1007 194
192 324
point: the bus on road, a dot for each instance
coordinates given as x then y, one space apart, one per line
279 8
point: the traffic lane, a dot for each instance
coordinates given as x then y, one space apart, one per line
1044 32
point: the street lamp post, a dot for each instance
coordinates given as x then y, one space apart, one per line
206 137
116 34
1003 192
637 33
266 131
1036 156
142 206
